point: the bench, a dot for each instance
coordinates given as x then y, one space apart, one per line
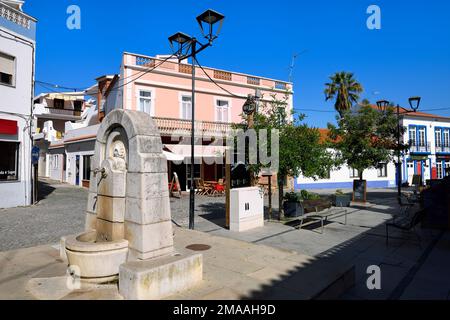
323 216
406 223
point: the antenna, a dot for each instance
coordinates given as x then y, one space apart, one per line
294 58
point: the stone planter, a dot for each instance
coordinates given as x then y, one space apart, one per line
342 200
293 209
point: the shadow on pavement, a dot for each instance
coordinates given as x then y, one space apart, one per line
44 190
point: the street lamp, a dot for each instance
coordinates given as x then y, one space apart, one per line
383 105
189 47
414 102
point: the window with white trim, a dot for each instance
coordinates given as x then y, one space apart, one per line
382 170
413 135
222 110
440 170
438 137
7 69
446 138
186 107
145 101
354 173
422 134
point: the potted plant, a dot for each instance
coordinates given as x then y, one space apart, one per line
340 199
293 205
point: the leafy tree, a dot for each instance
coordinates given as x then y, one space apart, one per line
365 138
344 89
300 149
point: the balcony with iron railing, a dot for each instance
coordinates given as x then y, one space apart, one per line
443 148
170 126
419 147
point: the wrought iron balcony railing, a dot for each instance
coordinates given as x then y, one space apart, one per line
443 149
419 147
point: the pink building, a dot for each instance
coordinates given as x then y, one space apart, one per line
162 87
165 93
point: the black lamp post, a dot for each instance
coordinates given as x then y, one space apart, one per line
383 105
189 47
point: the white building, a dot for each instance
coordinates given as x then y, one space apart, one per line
17 60
342 178
54 114
428 156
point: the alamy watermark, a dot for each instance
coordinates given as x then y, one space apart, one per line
238 146
374 279
73 21
374 19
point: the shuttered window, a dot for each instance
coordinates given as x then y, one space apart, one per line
7 69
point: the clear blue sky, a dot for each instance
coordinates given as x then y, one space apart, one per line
410 55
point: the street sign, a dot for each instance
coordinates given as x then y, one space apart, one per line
35 155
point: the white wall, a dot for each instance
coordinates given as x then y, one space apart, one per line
340 179
56 164
17 100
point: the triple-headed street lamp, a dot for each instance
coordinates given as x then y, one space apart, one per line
383 106
210 23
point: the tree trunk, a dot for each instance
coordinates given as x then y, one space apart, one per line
361 173
280 196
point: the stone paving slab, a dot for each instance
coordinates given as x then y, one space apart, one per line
233 269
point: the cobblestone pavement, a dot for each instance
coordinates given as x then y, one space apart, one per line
59 213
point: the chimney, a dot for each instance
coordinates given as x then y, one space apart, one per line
103 84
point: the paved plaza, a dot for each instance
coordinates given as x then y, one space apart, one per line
275 261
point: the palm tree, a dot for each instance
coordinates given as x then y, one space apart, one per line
345 89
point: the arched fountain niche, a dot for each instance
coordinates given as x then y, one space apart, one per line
128 216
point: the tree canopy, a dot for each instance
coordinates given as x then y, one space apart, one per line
344 89
365 137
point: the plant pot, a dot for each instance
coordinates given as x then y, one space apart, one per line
293 209
342 200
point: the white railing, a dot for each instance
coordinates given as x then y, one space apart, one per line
15 16
65 112
443 149
169 126
422 147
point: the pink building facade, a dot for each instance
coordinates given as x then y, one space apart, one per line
162 87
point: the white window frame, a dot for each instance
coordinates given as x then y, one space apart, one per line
413 135
438 137
352 173
440 170
422 134
14 76
152 99
446 137
382 170
216 99
180 100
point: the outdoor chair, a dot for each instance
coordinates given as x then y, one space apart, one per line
406 224
200 187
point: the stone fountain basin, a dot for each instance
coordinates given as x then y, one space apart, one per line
97 261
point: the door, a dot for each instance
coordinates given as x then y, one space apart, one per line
419 167
447 169
77 171
439 170
410 171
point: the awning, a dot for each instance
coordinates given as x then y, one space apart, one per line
8 127
200 151
172 156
